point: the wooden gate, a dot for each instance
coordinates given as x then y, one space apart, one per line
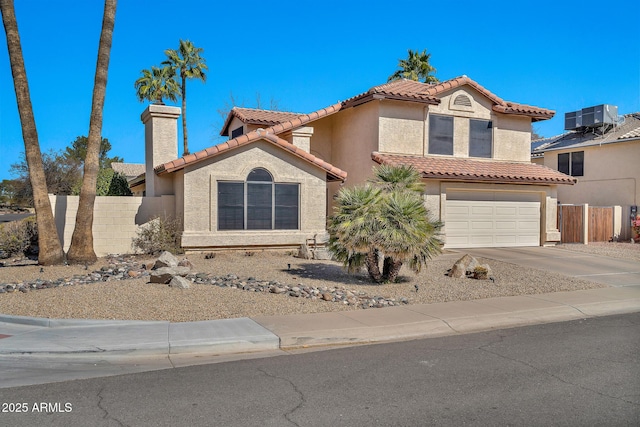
600 224
571 223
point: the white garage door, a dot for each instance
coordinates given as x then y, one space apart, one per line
492 219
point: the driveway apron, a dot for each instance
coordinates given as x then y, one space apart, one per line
601 269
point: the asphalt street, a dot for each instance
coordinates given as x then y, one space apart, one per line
582 372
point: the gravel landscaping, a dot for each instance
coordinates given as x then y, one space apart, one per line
119 288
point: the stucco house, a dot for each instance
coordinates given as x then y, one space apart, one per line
272 183
605 158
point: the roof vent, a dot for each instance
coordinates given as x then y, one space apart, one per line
591 117
462 100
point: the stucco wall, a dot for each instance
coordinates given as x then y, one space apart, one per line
611 175
116 219
355 137
402 127
200 198
611 178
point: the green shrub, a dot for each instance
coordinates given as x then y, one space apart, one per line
159 234
15 237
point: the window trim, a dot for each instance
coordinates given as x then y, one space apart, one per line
571 163
490 126
430 148
245 208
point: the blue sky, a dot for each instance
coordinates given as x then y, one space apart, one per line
562 55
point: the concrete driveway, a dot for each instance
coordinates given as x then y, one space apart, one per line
610 271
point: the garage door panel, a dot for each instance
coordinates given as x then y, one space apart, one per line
532 211
481 210
506 240
507 220
483 241
507 211
459 210
528 225
506 225
482 225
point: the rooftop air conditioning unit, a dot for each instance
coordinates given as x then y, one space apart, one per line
591 117
573 120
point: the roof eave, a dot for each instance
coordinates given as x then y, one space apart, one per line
499 180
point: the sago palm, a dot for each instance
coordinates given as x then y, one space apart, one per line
188 64
384 218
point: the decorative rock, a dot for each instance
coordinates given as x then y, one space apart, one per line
179 282
463 266
482 272
327 296
186 263
166 259
162 275
304 252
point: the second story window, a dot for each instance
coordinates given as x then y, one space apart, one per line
571 163
480 138
440 135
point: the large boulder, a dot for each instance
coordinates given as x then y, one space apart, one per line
166 259
463 267
179 282
482 272
165 274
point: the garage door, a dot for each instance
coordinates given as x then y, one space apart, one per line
492 219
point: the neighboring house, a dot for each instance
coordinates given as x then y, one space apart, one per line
128 170
605 158
244 120
274 187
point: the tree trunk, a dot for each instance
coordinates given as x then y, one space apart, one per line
81 249
393 270
48 241
184 116
372 266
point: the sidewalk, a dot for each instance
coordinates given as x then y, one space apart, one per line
26 336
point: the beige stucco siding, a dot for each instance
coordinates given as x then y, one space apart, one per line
611 175
402 127
200 183
355 137
511 138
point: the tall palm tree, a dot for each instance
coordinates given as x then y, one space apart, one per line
51 251
81 249
157 84
384 218
191 65
415 67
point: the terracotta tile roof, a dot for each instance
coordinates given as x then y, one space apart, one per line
333 173
405 90
449 168
429 93
257 117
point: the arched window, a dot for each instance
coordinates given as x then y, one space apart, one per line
258 203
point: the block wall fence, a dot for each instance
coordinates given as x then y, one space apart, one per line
115 222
